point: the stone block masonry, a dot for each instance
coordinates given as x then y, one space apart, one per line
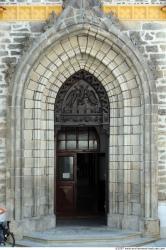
12 39
149 38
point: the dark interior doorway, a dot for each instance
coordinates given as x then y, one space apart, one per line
80 176
90 188
81 116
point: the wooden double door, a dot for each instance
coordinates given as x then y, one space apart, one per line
79 189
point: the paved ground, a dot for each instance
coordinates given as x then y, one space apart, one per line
91 233
158 243
84 236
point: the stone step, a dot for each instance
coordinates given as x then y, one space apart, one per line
78 237
105 243
86 236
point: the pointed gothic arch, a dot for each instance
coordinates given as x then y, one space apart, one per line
103 51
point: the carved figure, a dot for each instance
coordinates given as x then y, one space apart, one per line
82 99
92 97
71 98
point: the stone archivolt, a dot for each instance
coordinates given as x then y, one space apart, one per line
91 44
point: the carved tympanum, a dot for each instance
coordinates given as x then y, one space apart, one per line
82 100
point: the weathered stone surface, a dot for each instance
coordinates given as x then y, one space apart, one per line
153 26
148 36
63 61
152 48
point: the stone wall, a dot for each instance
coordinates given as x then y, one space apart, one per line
149 37
12 38
151 40
115 61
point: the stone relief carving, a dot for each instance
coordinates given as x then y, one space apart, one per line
27 43
9 72
153 68
114 19
50 21
82 99
136 40
81 11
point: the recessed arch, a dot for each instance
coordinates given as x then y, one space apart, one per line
111 58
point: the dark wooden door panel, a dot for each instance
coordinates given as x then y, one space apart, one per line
65 184
65 197
80 184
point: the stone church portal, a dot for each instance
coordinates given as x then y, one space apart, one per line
83 79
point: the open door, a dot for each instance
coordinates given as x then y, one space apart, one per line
87 184
91 184
66 185
80 174
80 185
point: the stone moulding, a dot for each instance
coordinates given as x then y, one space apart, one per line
136 12
42 12
29 12
102 33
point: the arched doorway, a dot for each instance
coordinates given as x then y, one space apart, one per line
81 125
105 52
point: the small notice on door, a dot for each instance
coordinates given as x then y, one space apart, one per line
66 175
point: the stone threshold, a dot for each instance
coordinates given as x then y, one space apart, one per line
84 236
